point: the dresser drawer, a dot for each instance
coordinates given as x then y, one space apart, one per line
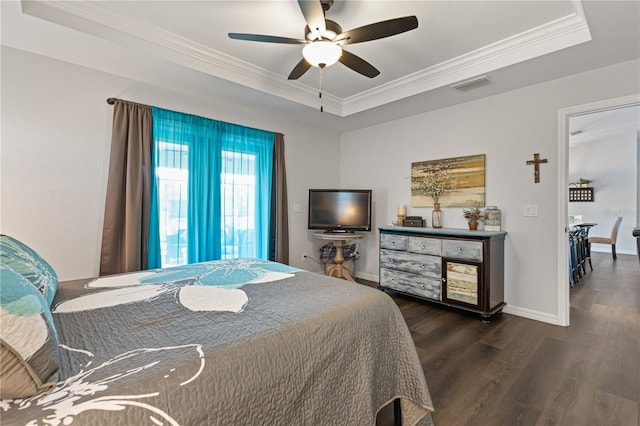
420 264
425 245
393 242
407 282
468 250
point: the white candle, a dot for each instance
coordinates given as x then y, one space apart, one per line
402 210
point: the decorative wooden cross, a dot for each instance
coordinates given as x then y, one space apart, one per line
536 166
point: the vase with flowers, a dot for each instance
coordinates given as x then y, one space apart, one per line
435 184
473 216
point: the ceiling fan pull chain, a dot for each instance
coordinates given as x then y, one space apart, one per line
320 93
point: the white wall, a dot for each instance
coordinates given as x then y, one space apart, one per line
508 128
612 165
56 133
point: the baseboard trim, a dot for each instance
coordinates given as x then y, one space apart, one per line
531 314
618 251
368 277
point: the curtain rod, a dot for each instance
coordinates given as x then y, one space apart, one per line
112 101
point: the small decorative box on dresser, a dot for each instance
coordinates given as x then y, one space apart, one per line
454 267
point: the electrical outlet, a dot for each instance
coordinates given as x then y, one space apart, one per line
304 257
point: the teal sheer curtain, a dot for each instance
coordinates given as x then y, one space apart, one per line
247 169
211 191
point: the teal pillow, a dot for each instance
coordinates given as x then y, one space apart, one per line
29 354
26 262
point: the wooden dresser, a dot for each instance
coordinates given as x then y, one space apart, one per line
453 267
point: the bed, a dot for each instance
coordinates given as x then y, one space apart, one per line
242 341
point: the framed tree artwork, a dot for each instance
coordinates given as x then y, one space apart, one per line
469 181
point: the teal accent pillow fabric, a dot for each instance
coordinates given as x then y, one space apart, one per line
29 354
26 262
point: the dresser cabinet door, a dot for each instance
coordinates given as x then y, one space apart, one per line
462 283
406 282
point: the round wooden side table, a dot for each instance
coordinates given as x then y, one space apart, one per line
339 239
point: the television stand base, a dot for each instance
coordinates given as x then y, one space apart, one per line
337 269
338 231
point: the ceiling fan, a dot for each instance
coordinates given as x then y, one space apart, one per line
324 39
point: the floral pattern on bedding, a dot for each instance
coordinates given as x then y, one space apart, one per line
84 391
207 286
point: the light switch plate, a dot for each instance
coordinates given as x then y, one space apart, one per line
296 208
530 210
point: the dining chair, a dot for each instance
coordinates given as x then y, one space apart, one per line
574 264
612 240
636 234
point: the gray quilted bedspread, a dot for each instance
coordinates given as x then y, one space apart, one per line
242 342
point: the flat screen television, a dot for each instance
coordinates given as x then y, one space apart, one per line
340 210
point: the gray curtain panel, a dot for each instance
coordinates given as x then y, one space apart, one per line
126 218
281 213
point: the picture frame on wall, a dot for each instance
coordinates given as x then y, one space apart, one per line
469 176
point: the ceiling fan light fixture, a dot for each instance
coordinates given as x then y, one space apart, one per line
323 53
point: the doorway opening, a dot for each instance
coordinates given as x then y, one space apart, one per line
565 116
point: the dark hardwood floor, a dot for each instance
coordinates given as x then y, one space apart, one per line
516 371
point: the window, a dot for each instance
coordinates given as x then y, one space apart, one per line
172 177
211 192
238 205
238 208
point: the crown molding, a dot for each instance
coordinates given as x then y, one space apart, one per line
95 19
548 38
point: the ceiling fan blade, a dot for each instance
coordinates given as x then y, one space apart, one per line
378 30
265 38
302 67
314 15
358 64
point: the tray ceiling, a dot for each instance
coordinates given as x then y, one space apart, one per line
455 42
